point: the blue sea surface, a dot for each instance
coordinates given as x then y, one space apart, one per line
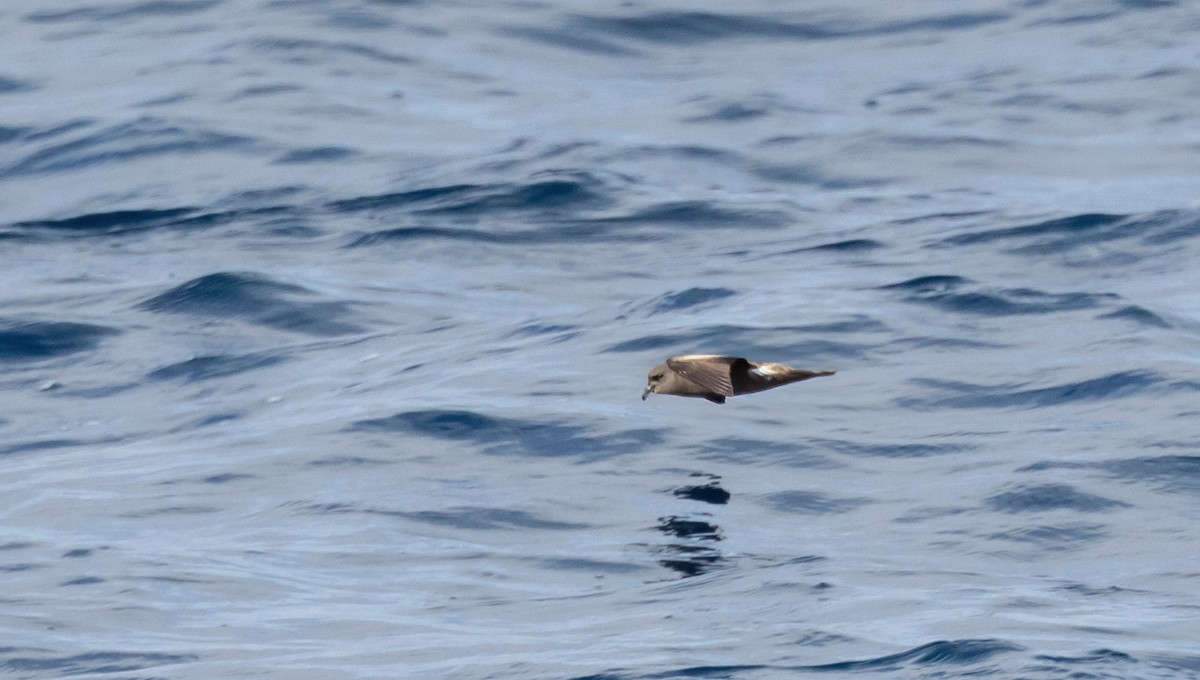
323 327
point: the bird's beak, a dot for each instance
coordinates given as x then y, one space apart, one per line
646 391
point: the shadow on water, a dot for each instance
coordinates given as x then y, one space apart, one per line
710 492
502 436
690 552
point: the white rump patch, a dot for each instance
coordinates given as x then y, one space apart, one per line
769 369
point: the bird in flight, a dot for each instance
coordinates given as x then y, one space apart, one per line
715 377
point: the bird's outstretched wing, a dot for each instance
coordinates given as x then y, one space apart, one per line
710 371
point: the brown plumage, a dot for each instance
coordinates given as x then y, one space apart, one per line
715 377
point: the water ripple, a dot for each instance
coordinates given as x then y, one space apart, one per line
256 299
1042 497
146 136
38 340
966 395
498 435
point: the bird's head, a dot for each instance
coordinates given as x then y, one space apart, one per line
653 379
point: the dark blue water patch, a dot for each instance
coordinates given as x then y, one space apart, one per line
215 419
689 28
680 28
1063 231
39 445
806 173
121 222
940 653
402 200
1138 315
497 435
798 502
118 144
226 477
854 245
1100 663
951 293
641 225
699 214
22 341
23 661
934 658
1054 537
553 193
1091 591
401 235
691 297
944 141
110 222
932 284
558 332
1174 473
319 154
10 85
217 366
15 567
255 299
1044 497
1184 663
9 134
1167 227
731 112
1064 236
940 217
122 12
967 395
82 581
77 552
17 545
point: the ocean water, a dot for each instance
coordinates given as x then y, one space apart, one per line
323 326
